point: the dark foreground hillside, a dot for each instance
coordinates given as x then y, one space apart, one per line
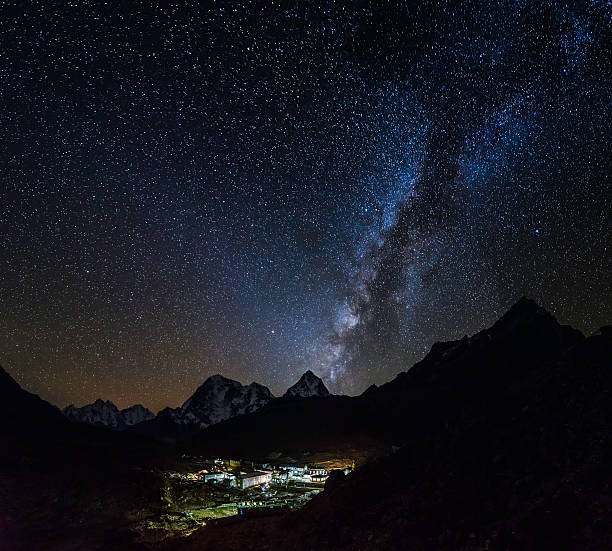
518 455
67 485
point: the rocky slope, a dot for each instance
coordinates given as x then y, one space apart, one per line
309 385
220 398
106 414
216 400
23 411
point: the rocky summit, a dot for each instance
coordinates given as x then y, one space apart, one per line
309 385
216 400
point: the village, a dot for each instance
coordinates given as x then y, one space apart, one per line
235 473
219 491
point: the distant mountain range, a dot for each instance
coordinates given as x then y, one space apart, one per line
525 336
216 400
106 414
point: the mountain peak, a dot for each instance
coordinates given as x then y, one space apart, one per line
527 333
218 380
526 306
219 398
101 403
526 313
308 385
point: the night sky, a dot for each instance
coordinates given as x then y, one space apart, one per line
260 188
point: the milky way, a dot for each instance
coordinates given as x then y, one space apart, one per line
257 189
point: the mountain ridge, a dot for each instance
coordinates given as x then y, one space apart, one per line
103 413
517 344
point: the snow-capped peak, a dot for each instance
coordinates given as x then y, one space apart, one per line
106 414
218 399
308 385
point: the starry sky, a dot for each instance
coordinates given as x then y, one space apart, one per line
260 188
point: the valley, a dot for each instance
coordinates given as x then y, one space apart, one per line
223 491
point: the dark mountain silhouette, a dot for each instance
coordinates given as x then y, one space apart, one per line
507 447
22 411
65 484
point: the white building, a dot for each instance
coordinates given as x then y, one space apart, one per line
255 478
